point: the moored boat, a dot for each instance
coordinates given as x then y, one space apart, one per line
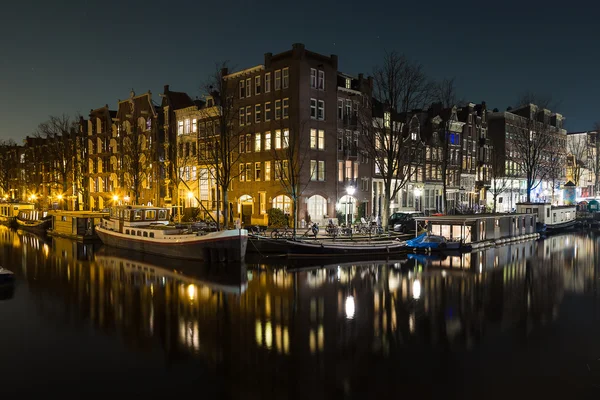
554 218
33 220
429 242
324 249
146 229
6 275
10 210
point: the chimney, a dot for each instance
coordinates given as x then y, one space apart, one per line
298 50
268 57
224 72
334 61
166 90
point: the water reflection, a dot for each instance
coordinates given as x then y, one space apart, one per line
353 328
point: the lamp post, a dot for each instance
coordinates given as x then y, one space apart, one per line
417 199
350 192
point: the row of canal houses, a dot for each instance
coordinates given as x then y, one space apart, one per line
153 150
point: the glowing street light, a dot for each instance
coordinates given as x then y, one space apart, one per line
350 192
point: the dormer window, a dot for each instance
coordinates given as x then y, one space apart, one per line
210 102
348 83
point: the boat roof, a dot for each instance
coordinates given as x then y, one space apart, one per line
465 218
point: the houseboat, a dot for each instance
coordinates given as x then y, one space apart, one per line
481 230
33 220
147 229
555 218
9 212
77 225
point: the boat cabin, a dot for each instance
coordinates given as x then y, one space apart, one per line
9 211
549 214
78 225
32 215
140 215
479 227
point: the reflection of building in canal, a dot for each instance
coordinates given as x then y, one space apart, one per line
334 322
577 254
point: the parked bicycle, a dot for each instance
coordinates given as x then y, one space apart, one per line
313 230
282 233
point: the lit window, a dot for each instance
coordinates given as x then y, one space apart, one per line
386 119
267 170
278 139
267 141
348 83
194 125
180 127
257 138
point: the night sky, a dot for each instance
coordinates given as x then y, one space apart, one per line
72 56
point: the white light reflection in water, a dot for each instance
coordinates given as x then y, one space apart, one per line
416 289
350 307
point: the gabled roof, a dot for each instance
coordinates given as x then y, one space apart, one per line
179 100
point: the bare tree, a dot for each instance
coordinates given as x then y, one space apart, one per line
59 134
543 101
135 163
290 154
594 159
555 164
8 163
500 178
400 86
220 153
532 142
577 148
444 93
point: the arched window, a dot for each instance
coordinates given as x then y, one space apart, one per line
317 207
284 203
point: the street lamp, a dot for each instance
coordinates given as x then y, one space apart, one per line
417 199
350 192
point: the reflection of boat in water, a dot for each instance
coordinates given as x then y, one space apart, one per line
33 220
228 278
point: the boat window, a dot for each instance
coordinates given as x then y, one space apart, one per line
151 234
139 233
145 234
127 231
150 214
137 215
162 214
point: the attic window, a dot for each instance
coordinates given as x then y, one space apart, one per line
348 83
209 102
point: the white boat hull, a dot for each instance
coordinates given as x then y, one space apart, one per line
229 245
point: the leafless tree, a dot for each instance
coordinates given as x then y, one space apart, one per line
220 153
400 85
555 161
136 165
292 167
9 163
60 135
594 160
445 94
577 148
543 101
500 178
532 142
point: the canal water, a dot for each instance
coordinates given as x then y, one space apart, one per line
519 321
